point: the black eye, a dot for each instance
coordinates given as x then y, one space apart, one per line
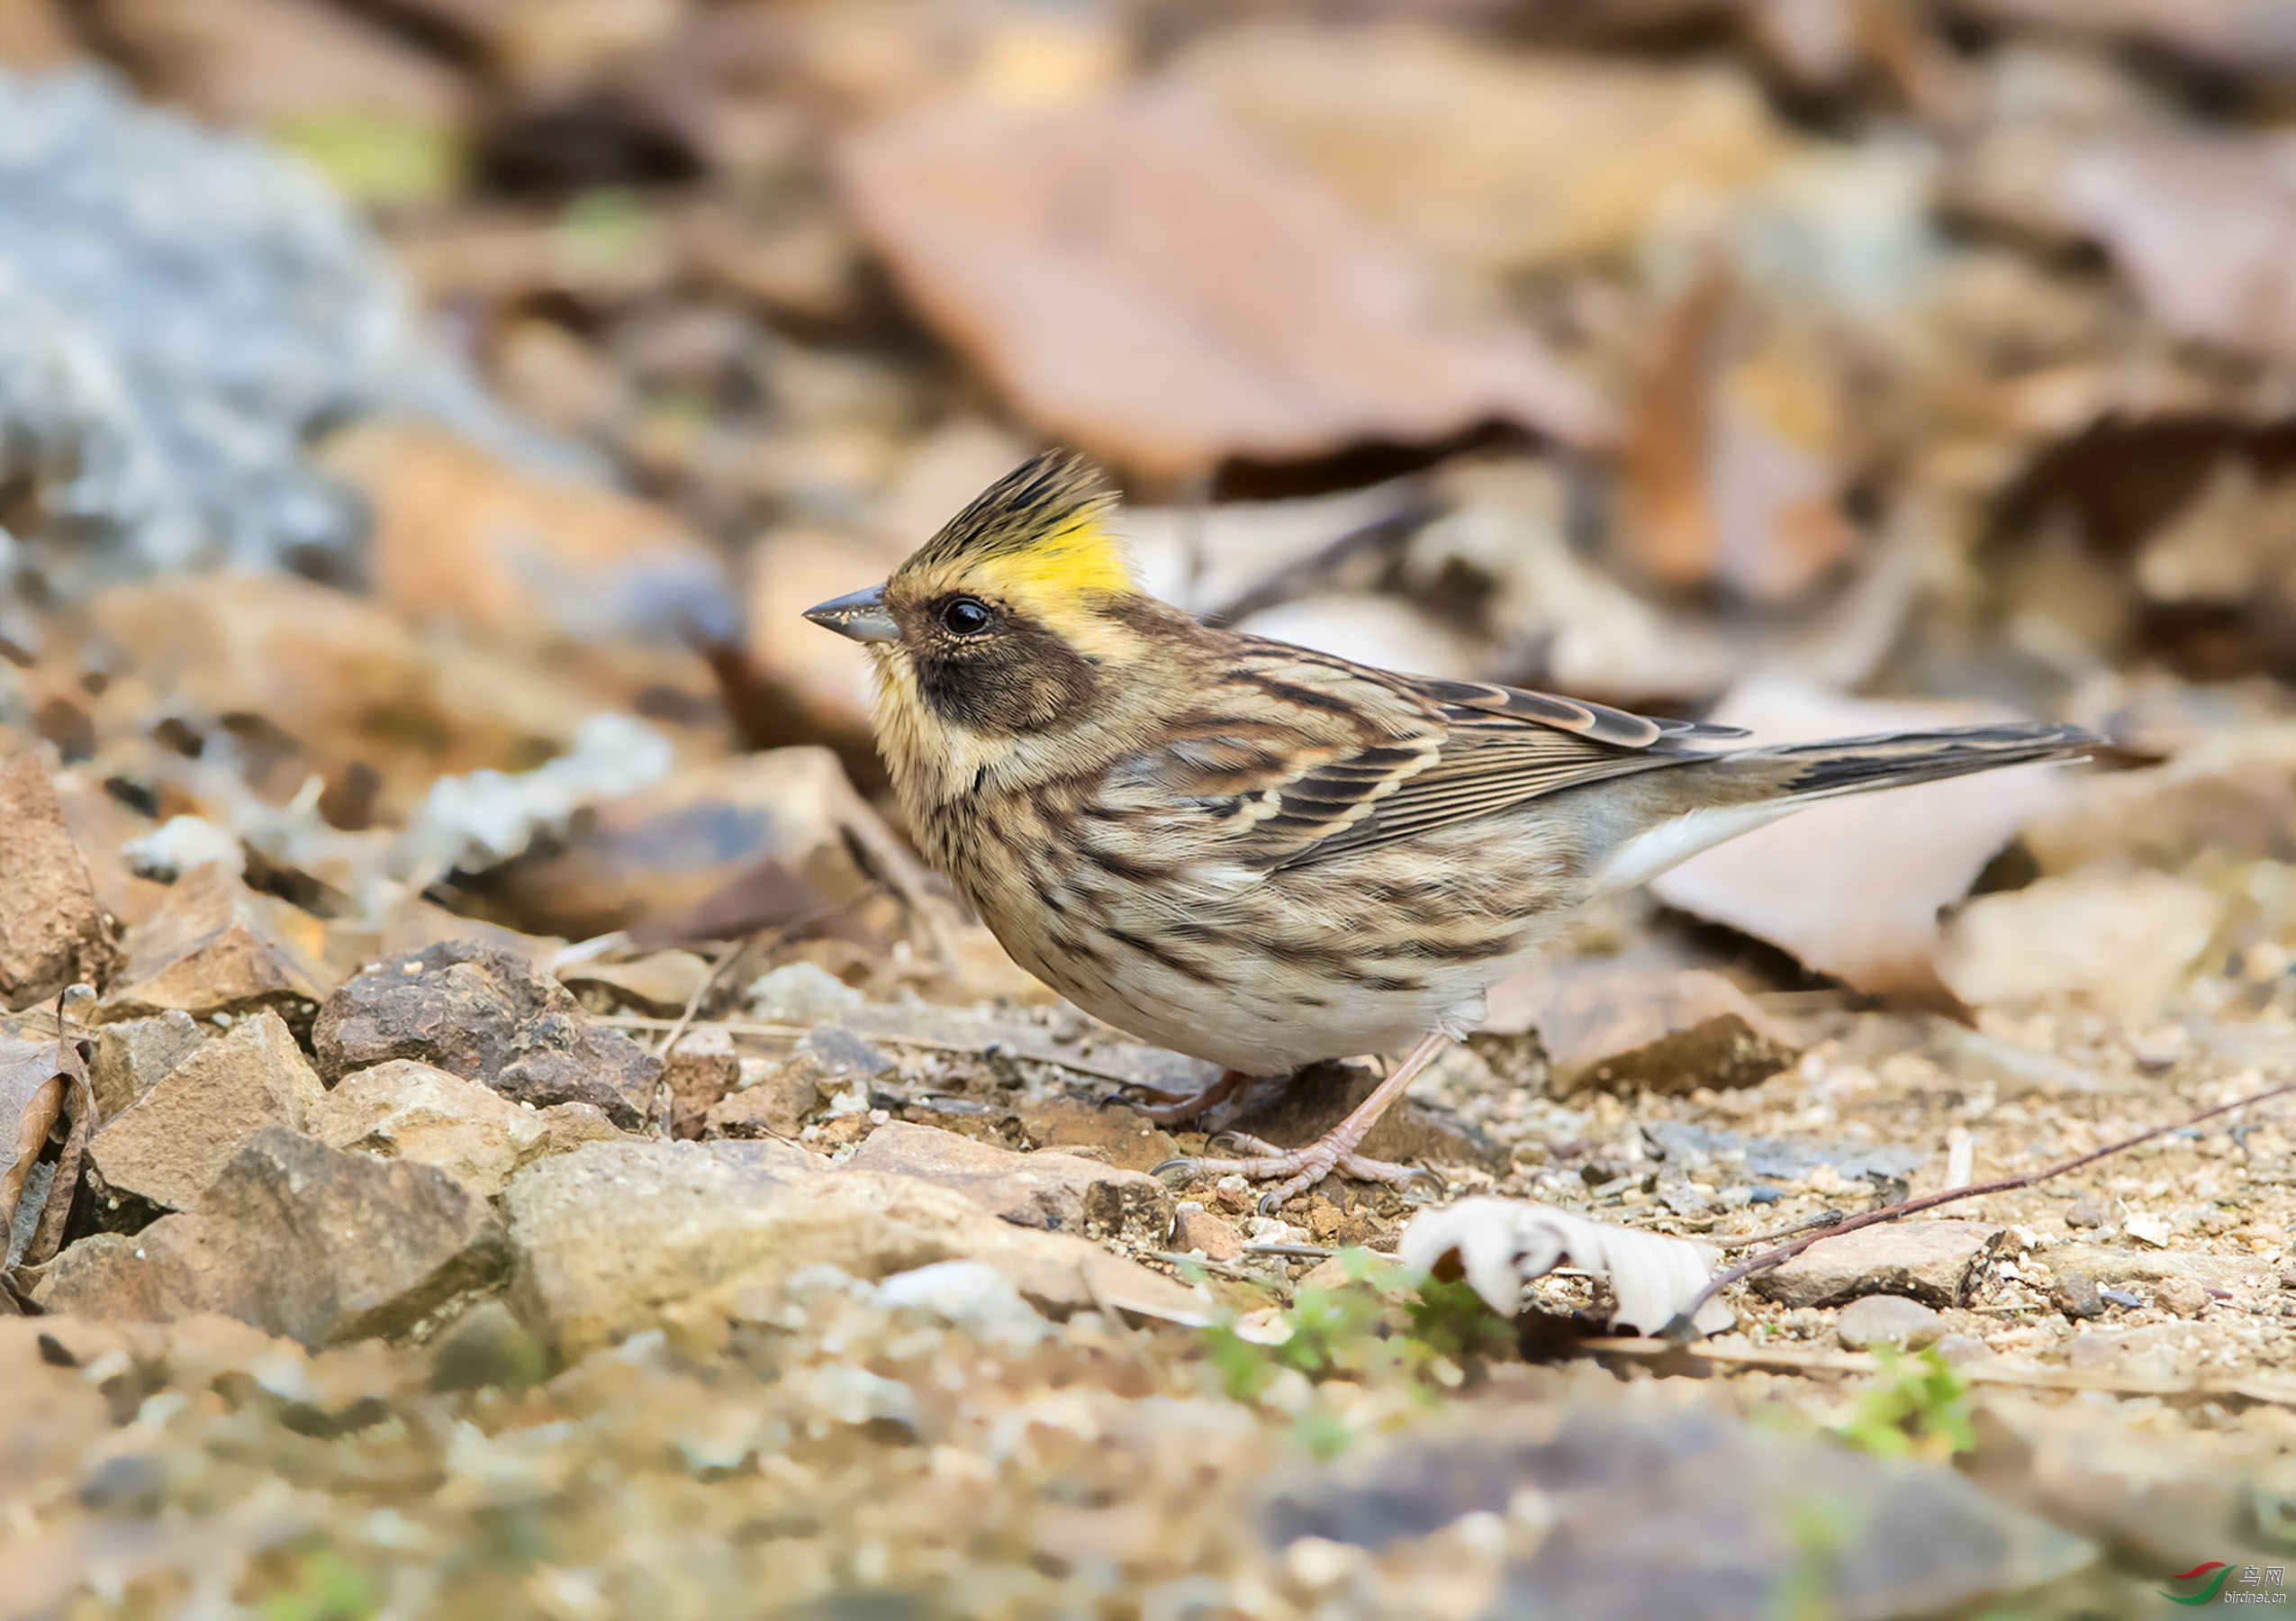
964 617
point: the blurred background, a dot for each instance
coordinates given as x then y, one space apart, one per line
423 421
1620 345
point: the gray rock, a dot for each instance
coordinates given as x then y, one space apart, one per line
1059 1193
1933 1262
2084 1213
483 1014
181 311
298 1239
1686 1514
1784 1159
169 1146
133 1057
1887 1320
615 1237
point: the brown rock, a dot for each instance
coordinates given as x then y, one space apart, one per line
1883 1320
614 1237
2182 1296
462 536
1195 1229
408 1110
787 813
135 1054
298 1239
483 1014
700 1070
1059 1193
170 1145
1933 1262
52 931
1621 1030
1127 1140
2075 1292
1322 1095
216 947
774 1106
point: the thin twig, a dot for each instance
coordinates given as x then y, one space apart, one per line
1681 1330
718 967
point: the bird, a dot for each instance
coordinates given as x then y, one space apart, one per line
1262 856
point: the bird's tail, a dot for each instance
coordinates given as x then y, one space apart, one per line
1704 801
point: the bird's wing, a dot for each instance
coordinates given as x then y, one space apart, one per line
1332 757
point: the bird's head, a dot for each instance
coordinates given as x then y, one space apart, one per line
1017 623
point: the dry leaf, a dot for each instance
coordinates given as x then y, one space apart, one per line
1502 1244
2120 941
1141 280
48 1236
1853 888
1489 160
31 1096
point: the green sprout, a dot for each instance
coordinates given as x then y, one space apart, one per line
1921 1409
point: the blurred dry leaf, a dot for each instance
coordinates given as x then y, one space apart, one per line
1141 281
1733 468
1852 889
2243 35
2121 942
2206 229
1501 1245
265 61
1489 160
2234 541
34 36
460 537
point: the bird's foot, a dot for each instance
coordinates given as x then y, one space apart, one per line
1175 1108
1301 1168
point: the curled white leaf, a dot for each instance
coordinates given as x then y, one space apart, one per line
1502 1244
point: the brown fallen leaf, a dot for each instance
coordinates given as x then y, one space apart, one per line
1485 159
1852 889
31 1096
1142 281
37 1078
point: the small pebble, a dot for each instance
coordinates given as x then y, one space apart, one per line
1196 1229
1763 1196
2082 1213
2121 1298
1961 1349
2075 1294
2182 1296
1887 1320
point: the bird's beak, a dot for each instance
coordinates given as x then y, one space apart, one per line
861 615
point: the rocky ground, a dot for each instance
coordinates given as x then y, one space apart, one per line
502 1124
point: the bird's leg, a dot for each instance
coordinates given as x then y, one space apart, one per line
1172 1108
1336 1149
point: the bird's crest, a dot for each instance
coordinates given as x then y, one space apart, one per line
1040 533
